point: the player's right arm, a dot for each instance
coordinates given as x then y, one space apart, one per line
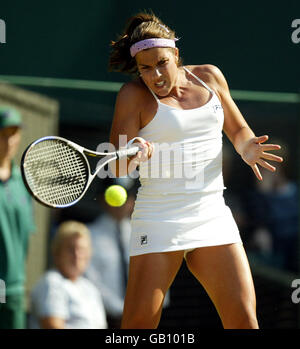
126 125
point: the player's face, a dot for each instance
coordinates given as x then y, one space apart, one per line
159 69
73 256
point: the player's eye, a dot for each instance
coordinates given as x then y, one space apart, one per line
162 62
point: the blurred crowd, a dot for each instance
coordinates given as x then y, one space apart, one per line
267 212
84 287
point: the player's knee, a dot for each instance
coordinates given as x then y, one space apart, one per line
244 319
246 322
140 320
142 315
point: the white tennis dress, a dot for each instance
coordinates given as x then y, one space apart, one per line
180 204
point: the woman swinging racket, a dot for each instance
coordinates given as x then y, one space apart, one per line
183 109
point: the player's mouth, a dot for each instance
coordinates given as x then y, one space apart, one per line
160 84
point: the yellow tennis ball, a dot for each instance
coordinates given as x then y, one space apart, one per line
115 195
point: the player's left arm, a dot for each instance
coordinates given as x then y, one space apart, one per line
246 143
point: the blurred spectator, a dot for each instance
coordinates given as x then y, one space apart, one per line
16 222
63 298
273 208
110 234
109 265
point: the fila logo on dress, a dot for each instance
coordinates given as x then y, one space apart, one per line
144 240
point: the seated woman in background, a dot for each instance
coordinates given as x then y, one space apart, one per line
63 298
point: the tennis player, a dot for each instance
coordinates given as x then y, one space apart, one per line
187 108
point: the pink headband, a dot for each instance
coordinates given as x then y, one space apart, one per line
150 43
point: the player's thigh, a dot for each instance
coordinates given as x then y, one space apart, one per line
225 274
150 276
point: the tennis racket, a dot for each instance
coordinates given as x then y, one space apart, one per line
57 172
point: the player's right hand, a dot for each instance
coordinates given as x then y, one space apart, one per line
147 150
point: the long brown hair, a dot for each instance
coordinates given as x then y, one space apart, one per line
139 27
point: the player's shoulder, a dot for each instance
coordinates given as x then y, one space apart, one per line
206 72
211 75
132 91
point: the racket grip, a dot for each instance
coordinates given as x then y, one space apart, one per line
127 152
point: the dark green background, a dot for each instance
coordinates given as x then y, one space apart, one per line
249 40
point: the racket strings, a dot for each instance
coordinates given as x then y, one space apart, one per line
56 173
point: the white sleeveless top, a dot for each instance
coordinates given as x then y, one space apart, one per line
180 203
188 147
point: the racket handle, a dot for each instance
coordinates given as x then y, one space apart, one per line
127 152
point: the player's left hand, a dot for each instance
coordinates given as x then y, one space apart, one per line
254 153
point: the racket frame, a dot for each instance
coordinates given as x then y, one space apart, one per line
83 152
